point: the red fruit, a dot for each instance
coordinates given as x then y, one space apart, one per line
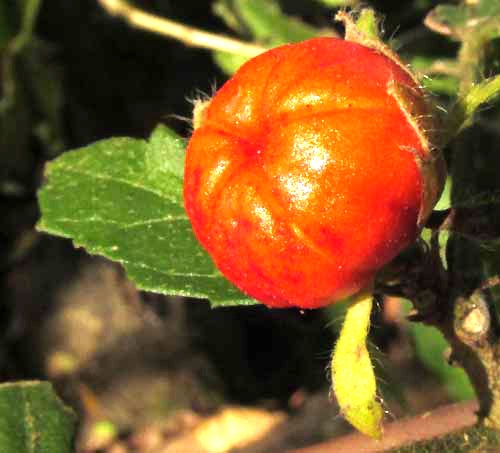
304 177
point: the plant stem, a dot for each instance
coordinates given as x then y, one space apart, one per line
466 319
406 431
14 48
471 61
468 322
188 35
477 348
30 14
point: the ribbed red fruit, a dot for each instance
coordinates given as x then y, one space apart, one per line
303 178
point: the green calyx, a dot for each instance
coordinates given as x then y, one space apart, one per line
353 378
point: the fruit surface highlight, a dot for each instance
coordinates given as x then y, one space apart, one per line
305 175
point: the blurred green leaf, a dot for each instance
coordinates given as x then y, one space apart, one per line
229 62
20 39
268 24
426 62
224 9
47 95
338 3
430 346
31 103
30 9
264 21
7 25
122 198
482 17
33 419
462 114
450 17
446 85
437 76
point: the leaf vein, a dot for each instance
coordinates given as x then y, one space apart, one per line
124 225
120 180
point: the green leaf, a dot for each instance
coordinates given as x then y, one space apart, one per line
33 419
338 3
436 76
31 102
265 21
462 114
268 24
481 16
353 378
450 17
229 62
441 84
29 12
224 9
122 198
7 23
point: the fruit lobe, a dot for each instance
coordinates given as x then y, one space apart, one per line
303 178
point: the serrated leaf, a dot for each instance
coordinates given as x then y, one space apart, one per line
122 198
33 419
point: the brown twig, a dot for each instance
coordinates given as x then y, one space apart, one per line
439 422
188 35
